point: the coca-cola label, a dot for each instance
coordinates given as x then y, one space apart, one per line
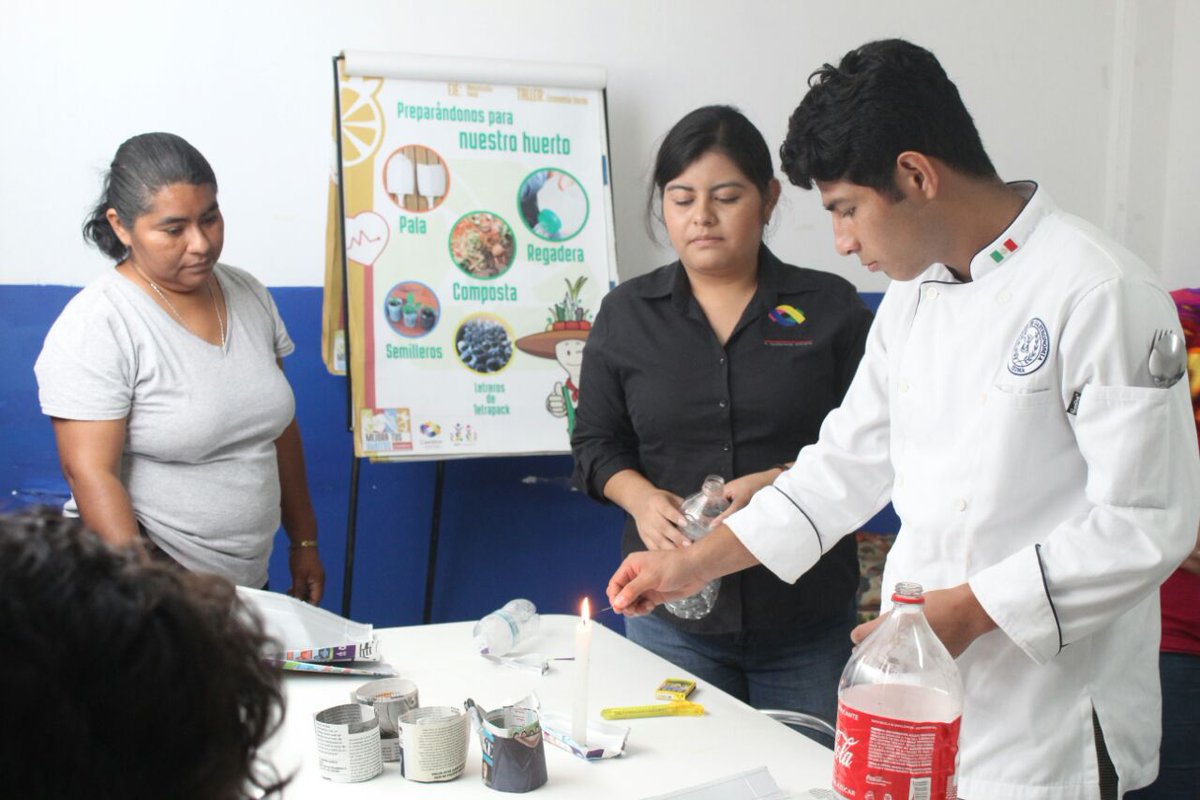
879 758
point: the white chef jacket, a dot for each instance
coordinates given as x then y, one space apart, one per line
1012 423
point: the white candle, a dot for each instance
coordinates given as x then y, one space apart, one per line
583 649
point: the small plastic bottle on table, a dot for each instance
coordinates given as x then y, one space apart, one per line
501 630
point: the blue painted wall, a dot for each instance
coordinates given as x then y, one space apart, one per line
509 526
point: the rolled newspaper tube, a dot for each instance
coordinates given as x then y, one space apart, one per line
348 748
391 698
434 740
510 738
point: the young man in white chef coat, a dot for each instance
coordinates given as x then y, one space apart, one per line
1004 405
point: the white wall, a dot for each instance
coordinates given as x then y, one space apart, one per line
1180 232
250 84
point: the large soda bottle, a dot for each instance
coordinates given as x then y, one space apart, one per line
500 631
700 512
900 700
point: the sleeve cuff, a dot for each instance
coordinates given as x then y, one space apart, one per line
778 534
85 415
1016 595
604 472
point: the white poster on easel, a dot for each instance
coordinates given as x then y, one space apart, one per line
478 238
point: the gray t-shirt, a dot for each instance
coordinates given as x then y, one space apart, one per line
201 423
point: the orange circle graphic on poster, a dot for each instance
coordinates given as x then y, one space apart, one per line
416 178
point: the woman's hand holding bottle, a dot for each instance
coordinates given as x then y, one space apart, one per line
657 515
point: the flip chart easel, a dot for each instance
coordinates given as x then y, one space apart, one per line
469 242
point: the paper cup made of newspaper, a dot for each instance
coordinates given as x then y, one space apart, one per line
391 698
434 741
348 743
514 757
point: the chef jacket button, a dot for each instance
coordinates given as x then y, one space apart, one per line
1003 297
961 504
725 447
722 403
931 292
721 360
903 387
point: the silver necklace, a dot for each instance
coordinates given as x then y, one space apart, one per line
175 311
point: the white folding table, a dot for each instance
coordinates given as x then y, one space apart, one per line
662 754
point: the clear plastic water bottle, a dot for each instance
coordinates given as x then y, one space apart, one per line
500 631
900 701
700 512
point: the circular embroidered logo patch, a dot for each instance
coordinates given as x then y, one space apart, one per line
1031 348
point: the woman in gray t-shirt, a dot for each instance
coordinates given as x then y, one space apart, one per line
174 421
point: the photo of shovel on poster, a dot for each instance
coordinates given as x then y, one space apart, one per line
415 178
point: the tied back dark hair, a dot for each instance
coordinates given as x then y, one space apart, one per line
883 99
143 165
151 677
720 128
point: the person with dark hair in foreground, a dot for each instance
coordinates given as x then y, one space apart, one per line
1045 484
124 678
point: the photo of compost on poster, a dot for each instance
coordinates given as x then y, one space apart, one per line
478 244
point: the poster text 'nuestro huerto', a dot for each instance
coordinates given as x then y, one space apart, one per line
550 144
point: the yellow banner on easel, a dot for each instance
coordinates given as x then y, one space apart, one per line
358 130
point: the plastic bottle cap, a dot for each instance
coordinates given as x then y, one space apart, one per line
481 644
550 221
908 592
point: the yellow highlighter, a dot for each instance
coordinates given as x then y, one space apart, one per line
675 709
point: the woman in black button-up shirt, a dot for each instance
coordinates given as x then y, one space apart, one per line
724 362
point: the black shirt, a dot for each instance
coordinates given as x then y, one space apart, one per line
660 395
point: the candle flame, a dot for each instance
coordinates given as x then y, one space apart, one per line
585 610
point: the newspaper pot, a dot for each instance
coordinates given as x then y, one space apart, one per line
514 756
434 743
391 699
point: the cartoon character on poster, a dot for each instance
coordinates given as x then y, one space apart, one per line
563 340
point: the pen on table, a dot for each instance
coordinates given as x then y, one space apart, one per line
673 709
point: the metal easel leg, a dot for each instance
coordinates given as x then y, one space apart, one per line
439 482
351 529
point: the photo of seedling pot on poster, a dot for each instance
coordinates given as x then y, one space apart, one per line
478 245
